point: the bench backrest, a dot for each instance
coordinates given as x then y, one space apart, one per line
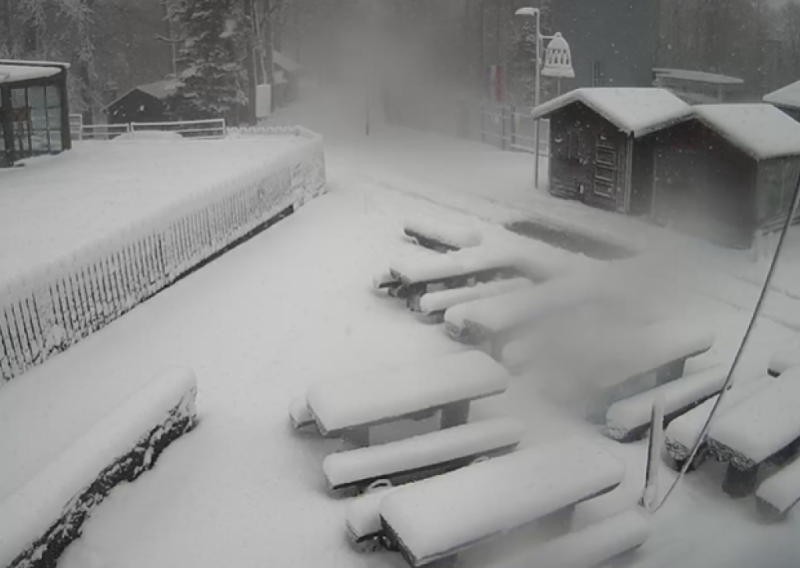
438 517
382 396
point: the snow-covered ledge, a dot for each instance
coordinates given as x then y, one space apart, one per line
46 311
44 516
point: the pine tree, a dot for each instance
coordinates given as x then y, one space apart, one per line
523 63
211 73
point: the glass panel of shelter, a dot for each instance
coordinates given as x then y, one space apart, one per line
20 122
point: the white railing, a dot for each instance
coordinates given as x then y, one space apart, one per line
47 311
196 129
104 131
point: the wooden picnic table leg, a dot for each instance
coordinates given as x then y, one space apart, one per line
358 437
670 372
739 482
454 414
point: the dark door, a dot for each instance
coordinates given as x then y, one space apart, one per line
605 177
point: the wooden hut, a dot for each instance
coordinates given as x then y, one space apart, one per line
786 99
727 172
34 111
144 103
602 143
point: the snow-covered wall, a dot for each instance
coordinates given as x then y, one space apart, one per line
48 310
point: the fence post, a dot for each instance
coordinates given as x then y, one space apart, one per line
503 139
513 125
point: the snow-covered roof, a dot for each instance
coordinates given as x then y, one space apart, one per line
159 89
788 96
14 73
285 63
760 130
697 76
635 111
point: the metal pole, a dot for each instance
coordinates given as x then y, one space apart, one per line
537 96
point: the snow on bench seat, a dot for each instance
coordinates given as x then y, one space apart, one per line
595 545
46 514
682 433
779 493
431 385
299 413
762 427
438 302
629 419
441 237
426 269
784 360
441 516
421 456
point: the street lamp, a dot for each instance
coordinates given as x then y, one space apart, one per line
557 63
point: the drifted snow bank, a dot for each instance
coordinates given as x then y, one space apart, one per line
49 309
445 299
42 517
784 360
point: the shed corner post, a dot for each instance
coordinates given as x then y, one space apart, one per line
628 179
5 123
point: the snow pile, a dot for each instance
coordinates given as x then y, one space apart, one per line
445 299
779 493
784 360
760 130
27 514
635 111
426 268
454 236
382 395
761 426
422 451
592 546
683 432
628 416
442 515
299 413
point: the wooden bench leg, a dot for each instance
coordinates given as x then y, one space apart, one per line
558 523
670 372
454 415
739 482
358 437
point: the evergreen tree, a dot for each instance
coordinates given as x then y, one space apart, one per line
212 77
522 79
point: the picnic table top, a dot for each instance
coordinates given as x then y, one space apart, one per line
383 396
428 268
765 423
442 515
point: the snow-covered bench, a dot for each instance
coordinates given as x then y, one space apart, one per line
777 494
682 433
421 456
765 427
439 237
448 384
594 545
783 360
653 356
442 516
435 304
629 419
41 518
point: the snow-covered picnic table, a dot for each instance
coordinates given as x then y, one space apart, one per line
447 383
441 516
441 237
763 427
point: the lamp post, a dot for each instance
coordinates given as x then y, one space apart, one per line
557 63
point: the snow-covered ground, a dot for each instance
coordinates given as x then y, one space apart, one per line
293 306
58 204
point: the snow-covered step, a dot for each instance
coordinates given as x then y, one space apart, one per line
441 237
777 494
783 360
44 515
765 426
436 303
593 546
439 517
629 419
447 383
421 456
299 413
682 433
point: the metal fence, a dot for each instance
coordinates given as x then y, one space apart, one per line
195 129
47 311
103 131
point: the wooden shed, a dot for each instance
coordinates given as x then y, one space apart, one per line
729 171
145 103
602 144
786 99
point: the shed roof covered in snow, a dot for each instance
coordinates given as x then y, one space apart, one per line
635 111
288 65
697 76
18 71
760 130
788 96
160 89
